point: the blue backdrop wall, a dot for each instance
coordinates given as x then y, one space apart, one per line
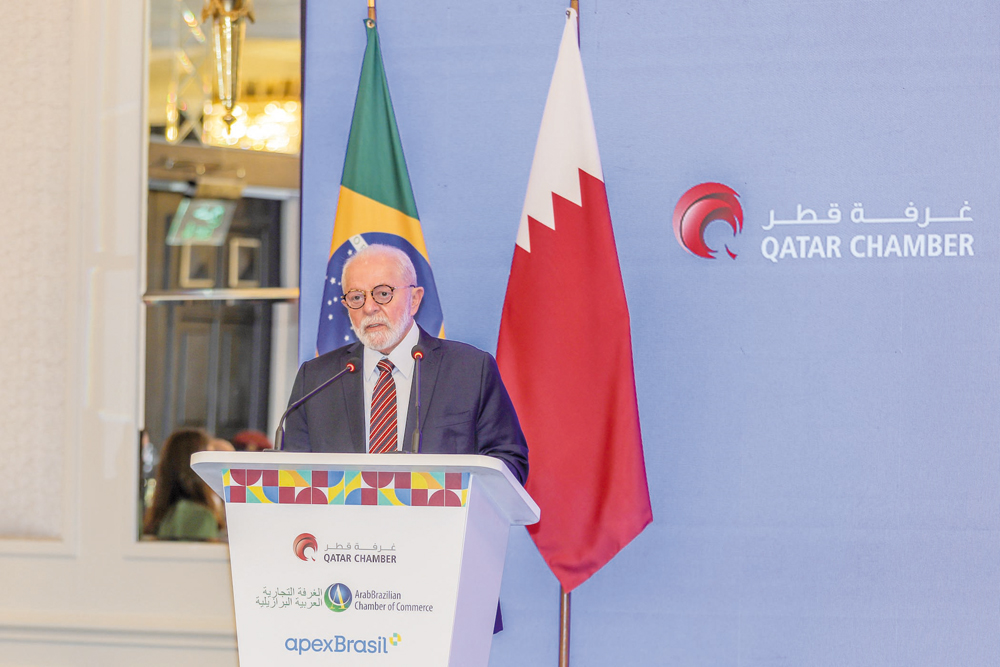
820 414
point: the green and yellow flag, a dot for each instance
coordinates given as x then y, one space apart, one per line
376 203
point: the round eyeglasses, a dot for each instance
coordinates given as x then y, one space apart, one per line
381 294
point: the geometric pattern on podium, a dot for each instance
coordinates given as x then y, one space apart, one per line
346 487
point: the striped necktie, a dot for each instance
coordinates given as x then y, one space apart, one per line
382 434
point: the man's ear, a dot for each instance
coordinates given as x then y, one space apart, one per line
415 298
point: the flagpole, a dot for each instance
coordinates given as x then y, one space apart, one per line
575 6
564 601
564 595
371 10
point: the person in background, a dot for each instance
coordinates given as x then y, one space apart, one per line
184 507
220 445
251 441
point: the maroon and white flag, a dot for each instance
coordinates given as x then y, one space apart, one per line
565 349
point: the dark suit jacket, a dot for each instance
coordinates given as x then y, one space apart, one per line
465 408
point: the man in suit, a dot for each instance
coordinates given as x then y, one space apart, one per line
464 407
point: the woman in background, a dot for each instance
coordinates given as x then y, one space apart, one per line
184 507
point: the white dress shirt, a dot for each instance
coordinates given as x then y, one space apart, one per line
401 375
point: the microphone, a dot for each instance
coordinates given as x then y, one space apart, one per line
418 354
350 366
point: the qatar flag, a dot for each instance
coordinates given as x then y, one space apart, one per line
565 349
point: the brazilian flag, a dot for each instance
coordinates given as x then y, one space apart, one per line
376 203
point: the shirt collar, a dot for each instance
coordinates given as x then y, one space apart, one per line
400 355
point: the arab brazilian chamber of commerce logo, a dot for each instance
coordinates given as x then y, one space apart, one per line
697 208
338 597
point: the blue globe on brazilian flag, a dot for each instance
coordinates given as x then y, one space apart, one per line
375 205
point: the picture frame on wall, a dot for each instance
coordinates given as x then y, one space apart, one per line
198 266
244 262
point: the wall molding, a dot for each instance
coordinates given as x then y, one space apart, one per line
55 548
177 551
119 630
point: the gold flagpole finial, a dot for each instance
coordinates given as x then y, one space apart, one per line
371 10
575 6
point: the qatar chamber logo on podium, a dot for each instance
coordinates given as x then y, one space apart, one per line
303 542
700 206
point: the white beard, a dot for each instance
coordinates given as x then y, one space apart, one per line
384 338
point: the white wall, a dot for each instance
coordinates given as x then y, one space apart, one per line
75 586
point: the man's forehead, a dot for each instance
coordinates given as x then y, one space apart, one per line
368 272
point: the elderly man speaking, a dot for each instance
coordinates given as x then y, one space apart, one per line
464 407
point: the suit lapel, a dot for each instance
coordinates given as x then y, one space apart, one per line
429 368
353 388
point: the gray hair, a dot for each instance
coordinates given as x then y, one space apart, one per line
402 261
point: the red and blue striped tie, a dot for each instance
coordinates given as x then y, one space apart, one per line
382 434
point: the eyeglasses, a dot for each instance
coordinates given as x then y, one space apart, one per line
381 294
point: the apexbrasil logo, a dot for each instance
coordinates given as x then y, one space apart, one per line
338 597
701 205
342 644
303 542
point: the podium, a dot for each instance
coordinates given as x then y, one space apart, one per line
365 559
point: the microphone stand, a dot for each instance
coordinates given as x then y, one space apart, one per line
418 355
279 435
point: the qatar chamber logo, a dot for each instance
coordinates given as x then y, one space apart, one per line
697 208
338 597
303 542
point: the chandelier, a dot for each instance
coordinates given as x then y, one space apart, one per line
229 31
260 124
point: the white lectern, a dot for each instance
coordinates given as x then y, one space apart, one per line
356 559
